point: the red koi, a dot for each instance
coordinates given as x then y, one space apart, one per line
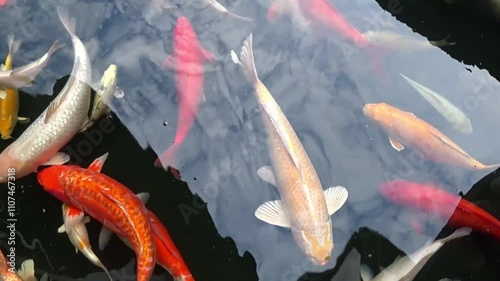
187 60
427 197
168 255
107 201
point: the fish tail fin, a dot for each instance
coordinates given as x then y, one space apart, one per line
246 59
377 55
69 23
27 271
167 158
13 45
464 231
55 46
443 42
487 167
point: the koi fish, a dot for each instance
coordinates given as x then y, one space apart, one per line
406 268
430 199
25 75
78 234
453 115
404 128
9 98
26 273
402 42
106 89
56 126
218 6
187 61
304 207
322 14
4 3
167 254
107 201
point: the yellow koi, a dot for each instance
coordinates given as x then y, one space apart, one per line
9 98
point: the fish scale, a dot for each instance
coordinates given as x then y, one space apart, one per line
85 190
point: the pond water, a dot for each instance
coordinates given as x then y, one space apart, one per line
321 81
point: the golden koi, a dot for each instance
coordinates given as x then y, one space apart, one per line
9 98
404 128
304 207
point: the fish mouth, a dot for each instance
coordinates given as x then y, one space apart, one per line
366 109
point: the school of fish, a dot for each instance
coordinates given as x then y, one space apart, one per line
303 206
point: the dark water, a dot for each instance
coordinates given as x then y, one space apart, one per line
321 87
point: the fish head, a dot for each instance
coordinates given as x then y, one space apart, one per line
375 111
316 242
394 190
184 34
50 179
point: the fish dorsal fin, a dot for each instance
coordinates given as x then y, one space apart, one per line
96 166
266 174
53 106
273 113
451 144
121 206
106 234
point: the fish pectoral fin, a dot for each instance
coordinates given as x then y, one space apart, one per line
76 250
144 197
207 55
273 213
61 229
27 271
104 237
23 120
96 166
266 174
169 62
335 198
396 144
58 159
365 273
3 94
